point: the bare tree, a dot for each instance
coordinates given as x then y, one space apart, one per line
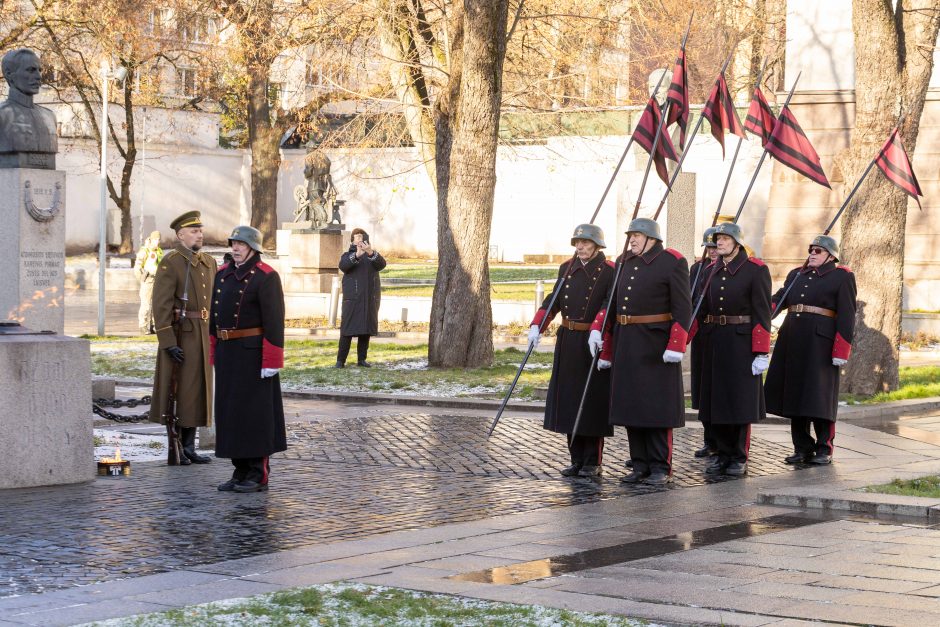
894 48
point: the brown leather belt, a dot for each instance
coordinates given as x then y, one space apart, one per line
234 334
723 320
202 314
814 310
644 319
571 325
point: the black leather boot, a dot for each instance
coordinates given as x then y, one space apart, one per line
188 439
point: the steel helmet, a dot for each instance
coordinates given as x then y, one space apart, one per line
707 240
829 243
590 232
730 229
247 234
645 226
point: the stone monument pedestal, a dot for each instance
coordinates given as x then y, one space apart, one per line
32 248
45 410
310 257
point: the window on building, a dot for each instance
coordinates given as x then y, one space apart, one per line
158 22
198 29
186 82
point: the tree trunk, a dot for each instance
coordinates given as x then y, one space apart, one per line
130 158
467 125
893 64
265 154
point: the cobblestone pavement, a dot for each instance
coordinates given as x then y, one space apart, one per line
340 479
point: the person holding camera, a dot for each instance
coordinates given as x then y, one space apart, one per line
362 293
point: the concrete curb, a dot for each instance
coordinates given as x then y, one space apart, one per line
852 501
333 334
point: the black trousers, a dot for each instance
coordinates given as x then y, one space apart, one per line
803 441
709 436
734 442
345 342
586 450
650 450
252 469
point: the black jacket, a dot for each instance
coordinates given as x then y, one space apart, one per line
362 293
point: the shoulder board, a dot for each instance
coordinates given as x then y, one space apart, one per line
224 266
675 253
564 265
610 263
264 267
170 254
846 268
756 261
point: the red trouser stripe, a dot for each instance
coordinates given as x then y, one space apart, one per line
747 443
265 470
831 438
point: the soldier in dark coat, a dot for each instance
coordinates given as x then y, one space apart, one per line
247 333
814 343
182 291
583 282
735 340
697 283
362 294
643 343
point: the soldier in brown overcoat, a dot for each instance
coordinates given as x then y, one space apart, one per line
182 294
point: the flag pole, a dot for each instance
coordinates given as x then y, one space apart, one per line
620 163
688 147
764 154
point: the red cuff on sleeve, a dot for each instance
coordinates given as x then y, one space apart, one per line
760 339
271 356
539 316
678 338
693 330
840 348
598 323
773 307
212 340
607 352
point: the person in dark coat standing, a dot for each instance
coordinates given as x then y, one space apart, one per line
643 344
813 344
735 340
362 294
583 281
697 283
247 339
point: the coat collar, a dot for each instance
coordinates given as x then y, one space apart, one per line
588 267
649 255
735 264
246 268
826 268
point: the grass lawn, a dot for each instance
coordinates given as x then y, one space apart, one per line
498 291
356 604
922 486
428 272
916 382
397 367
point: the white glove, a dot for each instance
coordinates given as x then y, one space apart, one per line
672 357
760 364
839 362
595 342
269 372
534 335
603 364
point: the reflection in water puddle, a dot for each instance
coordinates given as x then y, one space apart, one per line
641 549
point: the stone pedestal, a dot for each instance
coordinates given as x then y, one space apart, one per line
45 411
309 258
32 248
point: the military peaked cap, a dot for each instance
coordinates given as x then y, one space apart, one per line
190 218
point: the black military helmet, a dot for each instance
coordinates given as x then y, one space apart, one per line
829 243
590 232
248 234
645 226
707 240
730 229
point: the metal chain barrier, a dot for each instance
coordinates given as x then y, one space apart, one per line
98 406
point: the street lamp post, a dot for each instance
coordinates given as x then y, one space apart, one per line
107 74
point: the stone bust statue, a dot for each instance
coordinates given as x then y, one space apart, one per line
27 131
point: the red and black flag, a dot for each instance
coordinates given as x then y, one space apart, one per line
760 118
678 98
720 113
644 134
788 143
894 162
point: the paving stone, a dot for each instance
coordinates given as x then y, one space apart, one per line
205 592
794 591
80 613
858 615
875 584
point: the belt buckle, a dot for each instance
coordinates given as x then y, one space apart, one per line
204 314
570 325
223 334
722 320
799 309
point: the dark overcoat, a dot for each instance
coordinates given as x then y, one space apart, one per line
645 391
362 293
729 393
194 379
801 381
583 290
695 358
249 412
